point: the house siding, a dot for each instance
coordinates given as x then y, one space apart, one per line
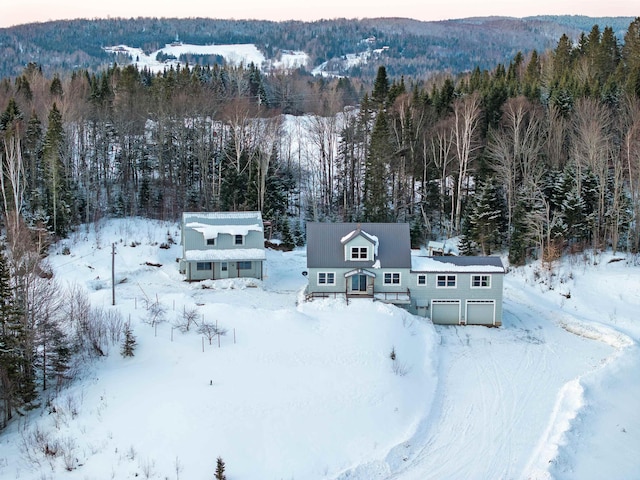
342 282
328 250
424 295
224 250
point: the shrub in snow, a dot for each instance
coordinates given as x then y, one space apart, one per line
210 330
129 343
220 469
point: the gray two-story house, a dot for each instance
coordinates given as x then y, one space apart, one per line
358 260
374 260
218 245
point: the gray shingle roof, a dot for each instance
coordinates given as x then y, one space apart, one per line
324 248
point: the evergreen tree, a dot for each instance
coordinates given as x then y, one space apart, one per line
298 235
285 231
56 87
380 88
57 188
486 221
376 207
519 242
416 231
10 331
220 467
129 342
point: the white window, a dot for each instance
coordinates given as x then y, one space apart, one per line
326 278
480 281
392 278
446 281
203 266
239 240
422 280
359 253
211 241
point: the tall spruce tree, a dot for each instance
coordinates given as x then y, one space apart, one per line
376 197
380 88
10 331
486 221
57 188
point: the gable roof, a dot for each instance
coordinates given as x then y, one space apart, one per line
211 224
325 244
457 264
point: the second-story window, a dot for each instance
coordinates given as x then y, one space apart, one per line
239 240
211 241
359 253
446 281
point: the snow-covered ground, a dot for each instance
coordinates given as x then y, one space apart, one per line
234 54
309 391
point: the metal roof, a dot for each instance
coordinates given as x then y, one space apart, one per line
223 218
324 247
454 263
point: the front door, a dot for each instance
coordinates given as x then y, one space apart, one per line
224 270
359 284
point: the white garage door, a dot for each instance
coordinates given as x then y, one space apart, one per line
481 312
445 312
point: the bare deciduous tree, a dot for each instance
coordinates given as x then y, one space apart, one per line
466 115
515 148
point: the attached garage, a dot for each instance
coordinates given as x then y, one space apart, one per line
445 312
481 312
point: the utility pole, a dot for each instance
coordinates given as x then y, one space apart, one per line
113 274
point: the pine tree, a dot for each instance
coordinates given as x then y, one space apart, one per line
519 241
285 231
58 194
9 345
487 218
376 208
129 343
220 469
380 88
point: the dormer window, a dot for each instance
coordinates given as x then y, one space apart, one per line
239 240
359 253
211 241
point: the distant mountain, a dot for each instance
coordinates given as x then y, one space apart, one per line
341 46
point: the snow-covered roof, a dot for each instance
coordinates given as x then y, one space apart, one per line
358 231
456 264
229 254
221 215
212 231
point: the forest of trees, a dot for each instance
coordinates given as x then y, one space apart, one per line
414 48
538 157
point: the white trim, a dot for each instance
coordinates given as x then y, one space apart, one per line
235 239
476 275
384 278
446 280
326 276
418 280
479 302
359 249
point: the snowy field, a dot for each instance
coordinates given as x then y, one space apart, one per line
308 390
235 54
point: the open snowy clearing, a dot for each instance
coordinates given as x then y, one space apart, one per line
233 54
308 391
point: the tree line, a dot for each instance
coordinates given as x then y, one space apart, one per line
539 157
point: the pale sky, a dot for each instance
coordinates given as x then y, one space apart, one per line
13 12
